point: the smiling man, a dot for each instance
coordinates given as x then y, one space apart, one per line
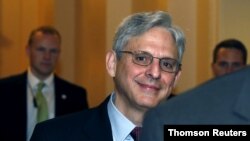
145 64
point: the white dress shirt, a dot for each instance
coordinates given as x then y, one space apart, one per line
49 93
121 126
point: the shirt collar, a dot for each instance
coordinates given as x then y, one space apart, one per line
121 126
33 80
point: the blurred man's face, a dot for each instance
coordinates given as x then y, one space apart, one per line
227 61
43 54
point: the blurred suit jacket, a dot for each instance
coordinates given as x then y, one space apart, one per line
222 100
88 125
13 104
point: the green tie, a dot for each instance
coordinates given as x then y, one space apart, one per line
42 107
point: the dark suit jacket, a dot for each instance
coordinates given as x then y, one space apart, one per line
224 100
88 125
13 105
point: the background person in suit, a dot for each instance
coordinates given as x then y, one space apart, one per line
18 93
145 66
228 56
220 101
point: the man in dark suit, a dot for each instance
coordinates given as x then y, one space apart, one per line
18 103
145 66
220 101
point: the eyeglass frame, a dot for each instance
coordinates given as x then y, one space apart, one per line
134 53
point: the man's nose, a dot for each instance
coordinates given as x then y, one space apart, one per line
154 69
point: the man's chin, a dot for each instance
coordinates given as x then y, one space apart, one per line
150 104
46 73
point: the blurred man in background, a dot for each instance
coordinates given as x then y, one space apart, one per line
228 56
37 94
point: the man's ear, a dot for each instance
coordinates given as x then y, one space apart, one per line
213 67
176 79
111 61
27 50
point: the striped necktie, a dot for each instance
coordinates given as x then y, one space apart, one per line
42 107
135 133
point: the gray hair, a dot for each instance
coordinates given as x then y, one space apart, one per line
139 23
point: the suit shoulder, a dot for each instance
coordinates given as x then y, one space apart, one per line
65 83
75 119
13 79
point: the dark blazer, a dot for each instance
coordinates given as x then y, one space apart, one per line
13 106
223 100
88 125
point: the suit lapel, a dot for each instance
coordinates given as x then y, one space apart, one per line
19 105
59 96
101 129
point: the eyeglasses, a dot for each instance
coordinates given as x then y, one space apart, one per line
144 59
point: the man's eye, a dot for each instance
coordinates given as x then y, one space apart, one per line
141 57
223 64
167 64
40 49
236 65
54 51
